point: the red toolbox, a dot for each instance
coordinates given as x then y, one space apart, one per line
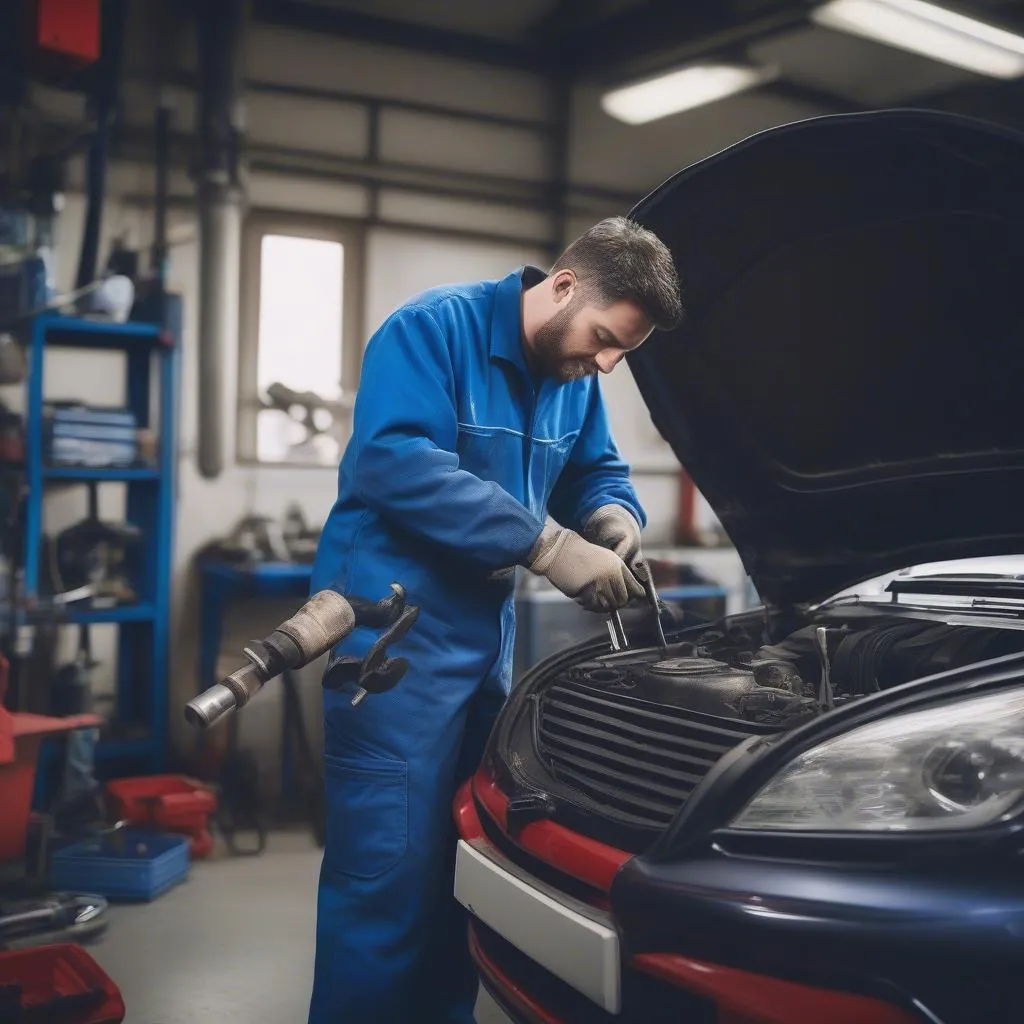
54 983
174 803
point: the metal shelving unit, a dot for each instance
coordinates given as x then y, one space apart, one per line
138 738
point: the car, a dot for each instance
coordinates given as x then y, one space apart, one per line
812 811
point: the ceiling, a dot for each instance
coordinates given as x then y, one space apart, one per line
614 40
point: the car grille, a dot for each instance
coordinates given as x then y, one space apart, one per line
633 758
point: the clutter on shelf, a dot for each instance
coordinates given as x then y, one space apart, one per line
86 435
256 539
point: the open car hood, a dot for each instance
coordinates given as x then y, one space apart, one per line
846 386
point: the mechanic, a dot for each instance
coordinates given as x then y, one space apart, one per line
480 443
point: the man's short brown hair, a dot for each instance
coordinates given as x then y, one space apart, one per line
618 259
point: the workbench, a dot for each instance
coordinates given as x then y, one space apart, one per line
220 583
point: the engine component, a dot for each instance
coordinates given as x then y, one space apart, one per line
323 621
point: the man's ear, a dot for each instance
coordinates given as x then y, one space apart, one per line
563 286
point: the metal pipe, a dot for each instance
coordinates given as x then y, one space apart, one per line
221 35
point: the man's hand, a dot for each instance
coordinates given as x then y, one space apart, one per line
593 576
616 528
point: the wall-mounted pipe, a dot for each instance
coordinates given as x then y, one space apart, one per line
221 35
104 101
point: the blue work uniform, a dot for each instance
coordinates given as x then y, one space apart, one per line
457 452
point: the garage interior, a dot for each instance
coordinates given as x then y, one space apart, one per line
206 212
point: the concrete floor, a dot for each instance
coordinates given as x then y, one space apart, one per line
234 943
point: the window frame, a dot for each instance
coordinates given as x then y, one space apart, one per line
352 237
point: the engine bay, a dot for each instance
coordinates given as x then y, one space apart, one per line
729 671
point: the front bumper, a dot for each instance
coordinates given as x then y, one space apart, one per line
655 985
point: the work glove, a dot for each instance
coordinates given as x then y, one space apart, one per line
616 528
591 575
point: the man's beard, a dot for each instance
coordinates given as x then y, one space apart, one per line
549 343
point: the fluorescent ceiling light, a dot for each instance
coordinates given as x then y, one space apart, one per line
930 31
681 90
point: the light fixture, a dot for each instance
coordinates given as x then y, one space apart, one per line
930 31
681 90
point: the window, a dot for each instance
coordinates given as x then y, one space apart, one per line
299 344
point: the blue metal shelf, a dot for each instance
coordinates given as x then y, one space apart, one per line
152 356
84 474
77 332
125 613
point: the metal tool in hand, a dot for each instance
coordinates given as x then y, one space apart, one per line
826 695
375 672
642 571
617 632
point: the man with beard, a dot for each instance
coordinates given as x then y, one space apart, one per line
480 443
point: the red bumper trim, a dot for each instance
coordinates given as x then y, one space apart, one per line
746 998
494 978
585 859
467 820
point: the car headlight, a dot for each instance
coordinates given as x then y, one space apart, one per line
957 766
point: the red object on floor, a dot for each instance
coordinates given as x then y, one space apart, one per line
61 983
20 737
742 997
174 803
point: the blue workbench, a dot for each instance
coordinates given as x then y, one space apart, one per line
221 583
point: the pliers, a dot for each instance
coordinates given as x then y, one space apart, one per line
375 672
642 571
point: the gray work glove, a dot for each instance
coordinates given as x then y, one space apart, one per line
616 528
593 576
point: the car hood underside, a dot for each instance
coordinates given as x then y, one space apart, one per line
844 387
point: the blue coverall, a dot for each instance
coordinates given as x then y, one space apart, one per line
455 455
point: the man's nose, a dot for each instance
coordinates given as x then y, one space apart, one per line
608 359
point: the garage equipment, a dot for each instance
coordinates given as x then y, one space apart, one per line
137 738
122 863
323 621
168 803
57 983
20 737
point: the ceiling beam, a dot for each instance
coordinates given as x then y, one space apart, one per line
370 28
670 31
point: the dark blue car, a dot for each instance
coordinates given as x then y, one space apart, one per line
811 812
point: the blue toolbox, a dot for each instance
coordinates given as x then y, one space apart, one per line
128 864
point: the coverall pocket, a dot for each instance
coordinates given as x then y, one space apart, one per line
367 815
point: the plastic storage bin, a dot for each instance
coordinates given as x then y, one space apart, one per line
172 803
131 864
57 983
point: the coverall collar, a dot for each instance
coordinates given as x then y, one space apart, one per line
507 318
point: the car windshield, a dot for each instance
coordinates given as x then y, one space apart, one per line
1003 566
